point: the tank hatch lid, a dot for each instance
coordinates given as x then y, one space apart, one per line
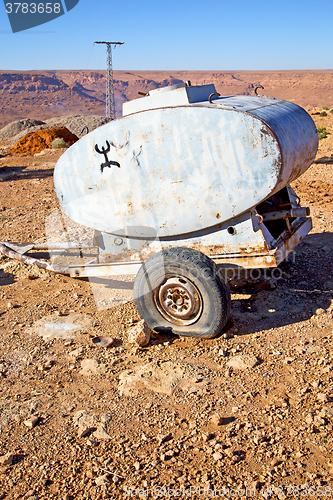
174 95
246 103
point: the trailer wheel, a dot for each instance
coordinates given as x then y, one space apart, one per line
179 289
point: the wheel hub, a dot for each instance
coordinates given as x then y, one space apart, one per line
178 300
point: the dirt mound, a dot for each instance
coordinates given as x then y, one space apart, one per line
15 128
74 123
35 142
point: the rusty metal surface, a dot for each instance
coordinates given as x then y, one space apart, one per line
178 300
236 238
32 261
243 258
102 270
23 248
283 214
289 242
285 245
255 260
249 262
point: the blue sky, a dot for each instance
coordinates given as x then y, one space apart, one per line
188 35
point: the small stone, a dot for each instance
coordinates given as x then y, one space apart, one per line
91 367
304 390
7 459
140 334
101 433
207 436
84 431
222 352
137 465
258 437
323 397
309 419
243 362
91 442
45 366
318 421
162 438
9 305
216 419
83 419
102 480
326 412
105 418
313 349
30 494
217 456
31 422
76 352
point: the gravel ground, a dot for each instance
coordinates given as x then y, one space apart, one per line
251 409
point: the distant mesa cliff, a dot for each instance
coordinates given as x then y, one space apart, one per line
45 94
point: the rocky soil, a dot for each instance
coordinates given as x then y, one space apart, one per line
250 410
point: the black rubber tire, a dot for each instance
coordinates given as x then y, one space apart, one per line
201 272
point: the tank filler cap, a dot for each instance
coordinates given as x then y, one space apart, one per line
166 89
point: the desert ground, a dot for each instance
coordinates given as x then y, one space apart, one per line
81 421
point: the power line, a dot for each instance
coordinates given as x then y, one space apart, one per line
109 94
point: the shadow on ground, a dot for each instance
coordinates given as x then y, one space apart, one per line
6 278
19 173
303 285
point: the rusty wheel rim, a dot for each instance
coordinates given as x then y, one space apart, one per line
178 300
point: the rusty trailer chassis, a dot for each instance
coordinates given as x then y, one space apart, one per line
259 250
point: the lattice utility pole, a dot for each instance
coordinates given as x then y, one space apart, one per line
109 94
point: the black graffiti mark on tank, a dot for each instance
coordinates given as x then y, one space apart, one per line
105 151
